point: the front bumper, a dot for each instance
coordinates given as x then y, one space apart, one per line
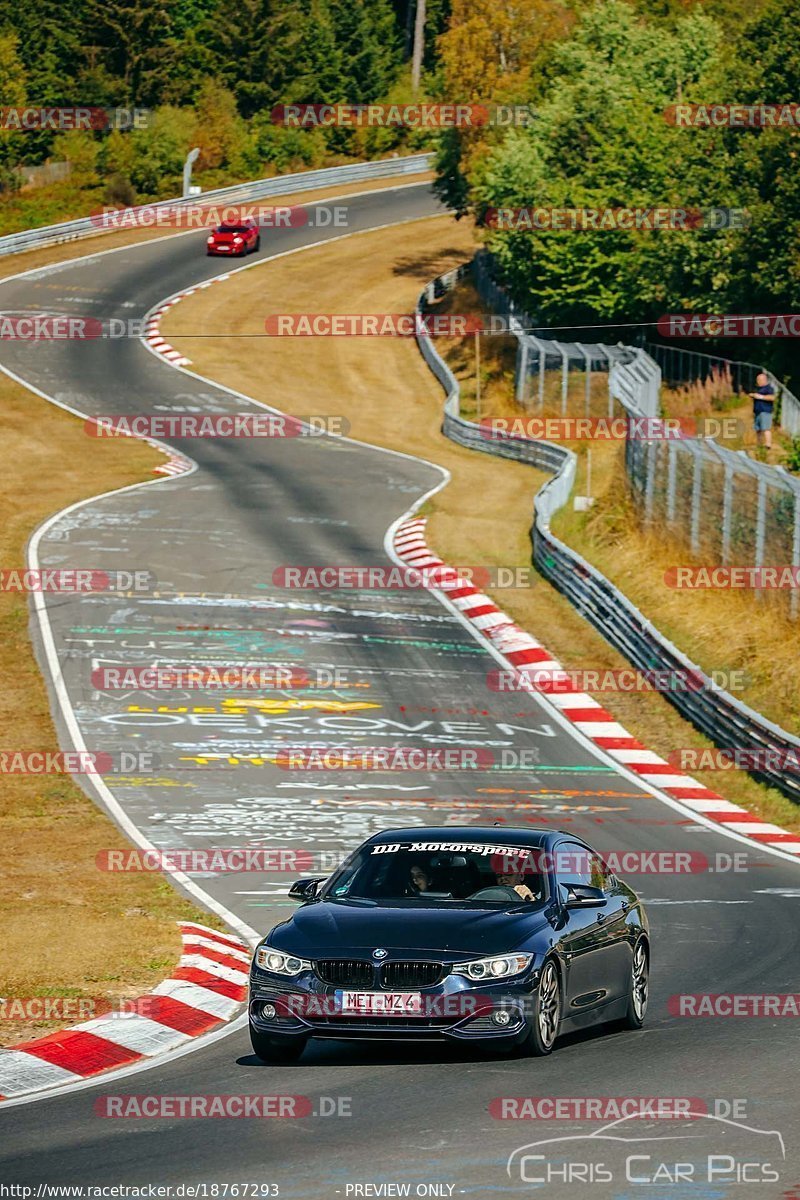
455 1010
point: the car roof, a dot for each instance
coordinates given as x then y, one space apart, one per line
501 835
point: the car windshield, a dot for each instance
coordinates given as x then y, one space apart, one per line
231 229
441 873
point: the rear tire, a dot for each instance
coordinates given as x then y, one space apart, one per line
639 988
546 1013
257 246
276 1050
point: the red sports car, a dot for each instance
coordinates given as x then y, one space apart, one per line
234 239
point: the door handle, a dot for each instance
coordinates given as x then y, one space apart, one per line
601 916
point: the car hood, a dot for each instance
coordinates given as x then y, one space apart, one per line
332 928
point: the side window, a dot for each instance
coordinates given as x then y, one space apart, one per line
577 864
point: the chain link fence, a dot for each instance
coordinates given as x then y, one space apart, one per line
724 719
725 507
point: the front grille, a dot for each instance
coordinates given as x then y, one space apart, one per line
410 974
346 972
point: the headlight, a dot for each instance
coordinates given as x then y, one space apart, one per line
210 239
279 963
494 968
237 239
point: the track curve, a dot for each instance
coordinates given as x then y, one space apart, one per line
213 539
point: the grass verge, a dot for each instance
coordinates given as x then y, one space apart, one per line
69 930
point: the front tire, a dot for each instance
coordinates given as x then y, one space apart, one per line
276 1050
546 1012
639 988
257 246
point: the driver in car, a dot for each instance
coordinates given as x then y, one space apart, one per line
513 879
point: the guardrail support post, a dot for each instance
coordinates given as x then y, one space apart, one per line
697 498
727 513
793 603
761 521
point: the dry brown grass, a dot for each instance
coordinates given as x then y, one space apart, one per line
68 929
390 398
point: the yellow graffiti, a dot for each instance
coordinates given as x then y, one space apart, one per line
275 706
286 704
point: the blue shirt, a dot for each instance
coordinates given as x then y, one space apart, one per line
765 399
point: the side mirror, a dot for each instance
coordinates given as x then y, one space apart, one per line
580 895
305 889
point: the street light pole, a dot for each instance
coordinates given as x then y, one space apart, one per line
191 158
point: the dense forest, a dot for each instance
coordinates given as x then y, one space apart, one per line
597 78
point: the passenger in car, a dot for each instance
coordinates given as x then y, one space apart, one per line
418 880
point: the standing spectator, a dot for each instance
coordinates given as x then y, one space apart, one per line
763 404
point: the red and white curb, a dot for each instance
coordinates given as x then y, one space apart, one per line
176 464
206 990
590 718
152 330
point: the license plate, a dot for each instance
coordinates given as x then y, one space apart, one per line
380 1004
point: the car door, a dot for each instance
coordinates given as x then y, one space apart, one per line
590 941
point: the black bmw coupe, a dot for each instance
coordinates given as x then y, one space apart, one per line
477 934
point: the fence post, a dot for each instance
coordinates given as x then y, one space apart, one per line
542 366
697 497
795 554
564 381
672 463
727 513
650 481
587 399
522 369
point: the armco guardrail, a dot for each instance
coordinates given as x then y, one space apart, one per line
279 185
725 720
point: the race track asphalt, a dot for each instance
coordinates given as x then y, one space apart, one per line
212 539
